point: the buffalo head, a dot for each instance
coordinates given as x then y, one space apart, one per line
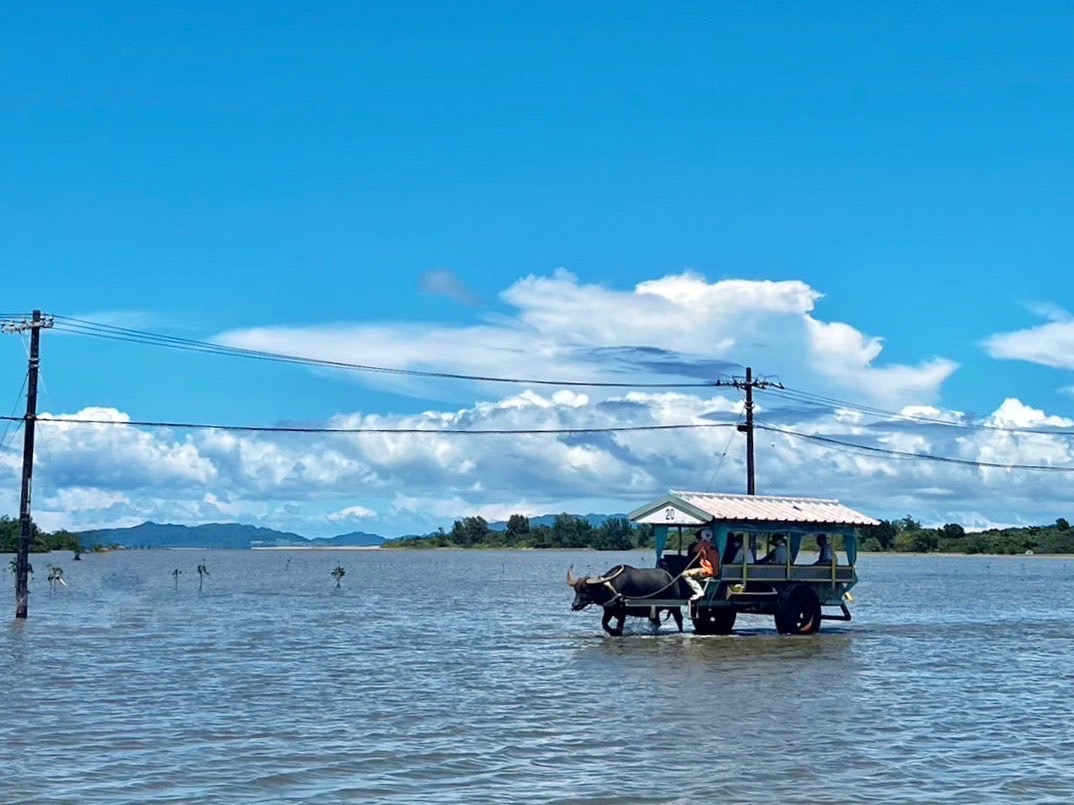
587 591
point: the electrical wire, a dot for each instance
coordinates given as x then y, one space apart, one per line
98 330
13 418
831 403
723 455
827 440
426 431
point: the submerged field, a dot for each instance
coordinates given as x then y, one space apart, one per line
461 676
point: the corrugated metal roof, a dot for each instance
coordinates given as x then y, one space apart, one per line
760 508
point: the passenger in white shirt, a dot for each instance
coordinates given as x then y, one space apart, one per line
778 554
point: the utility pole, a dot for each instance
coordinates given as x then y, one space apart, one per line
749 383
22 558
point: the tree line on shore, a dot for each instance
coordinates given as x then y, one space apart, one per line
566 531
905 535
909 536
40 541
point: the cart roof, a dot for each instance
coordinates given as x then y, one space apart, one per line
700 508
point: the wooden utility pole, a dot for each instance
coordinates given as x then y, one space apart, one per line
22 557
749 383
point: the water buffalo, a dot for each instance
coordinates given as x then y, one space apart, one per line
624 581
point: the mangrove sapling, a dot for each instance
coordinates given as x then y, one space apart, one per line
203 571
15 568
338 574
175 575
55 574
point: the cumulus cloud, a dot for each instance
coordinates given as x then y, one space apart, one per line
673 328
82 451
350 513
847 356
667 329
415 482
1050 344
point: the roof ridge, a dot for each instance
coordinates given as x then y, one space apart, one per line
680 493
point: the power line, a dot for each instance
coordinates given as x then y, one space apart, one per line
831 403
723 455
919 456
427 431
826 440
98 330
13 418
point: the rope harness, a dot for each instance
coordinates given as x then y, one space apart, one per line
670 584
616 595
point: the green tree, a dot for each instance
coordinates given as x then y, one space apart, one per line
617 534
569 531
884 534
1061 524
953 531
920 541
518 529
470 531
40 541
907 523
644 537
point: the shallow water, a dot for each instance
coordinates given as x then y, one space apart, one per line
462 676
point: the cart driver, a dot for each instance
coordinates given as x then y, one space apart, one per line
707 562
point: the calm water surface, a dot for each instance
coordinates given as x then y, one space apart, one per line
463 677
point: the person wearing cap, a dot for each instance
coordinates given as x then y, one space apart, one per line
707 562
778 554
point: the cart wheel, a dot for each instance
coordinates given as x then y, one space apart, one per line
714 620
798 611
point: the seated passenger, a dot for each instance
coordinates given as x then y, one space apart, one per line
825 549
778 554
732 554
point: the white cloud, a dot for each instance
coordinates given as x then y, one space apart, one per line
222 506
673 328
676 327
846 356
1049 311
445 283
411 483
350 513
118 456
1050 344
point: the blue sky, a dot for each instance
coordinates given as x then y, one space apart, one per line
398 184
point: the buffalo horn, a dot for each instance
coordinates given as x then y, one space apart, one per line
571 580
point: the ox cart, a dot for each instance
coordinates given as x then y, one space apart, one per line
788 557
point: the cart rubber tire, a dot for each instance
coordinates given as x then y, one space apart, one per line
714 620
798 611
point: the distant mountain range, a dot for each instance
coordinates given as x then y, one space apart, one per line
220 535
236 536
